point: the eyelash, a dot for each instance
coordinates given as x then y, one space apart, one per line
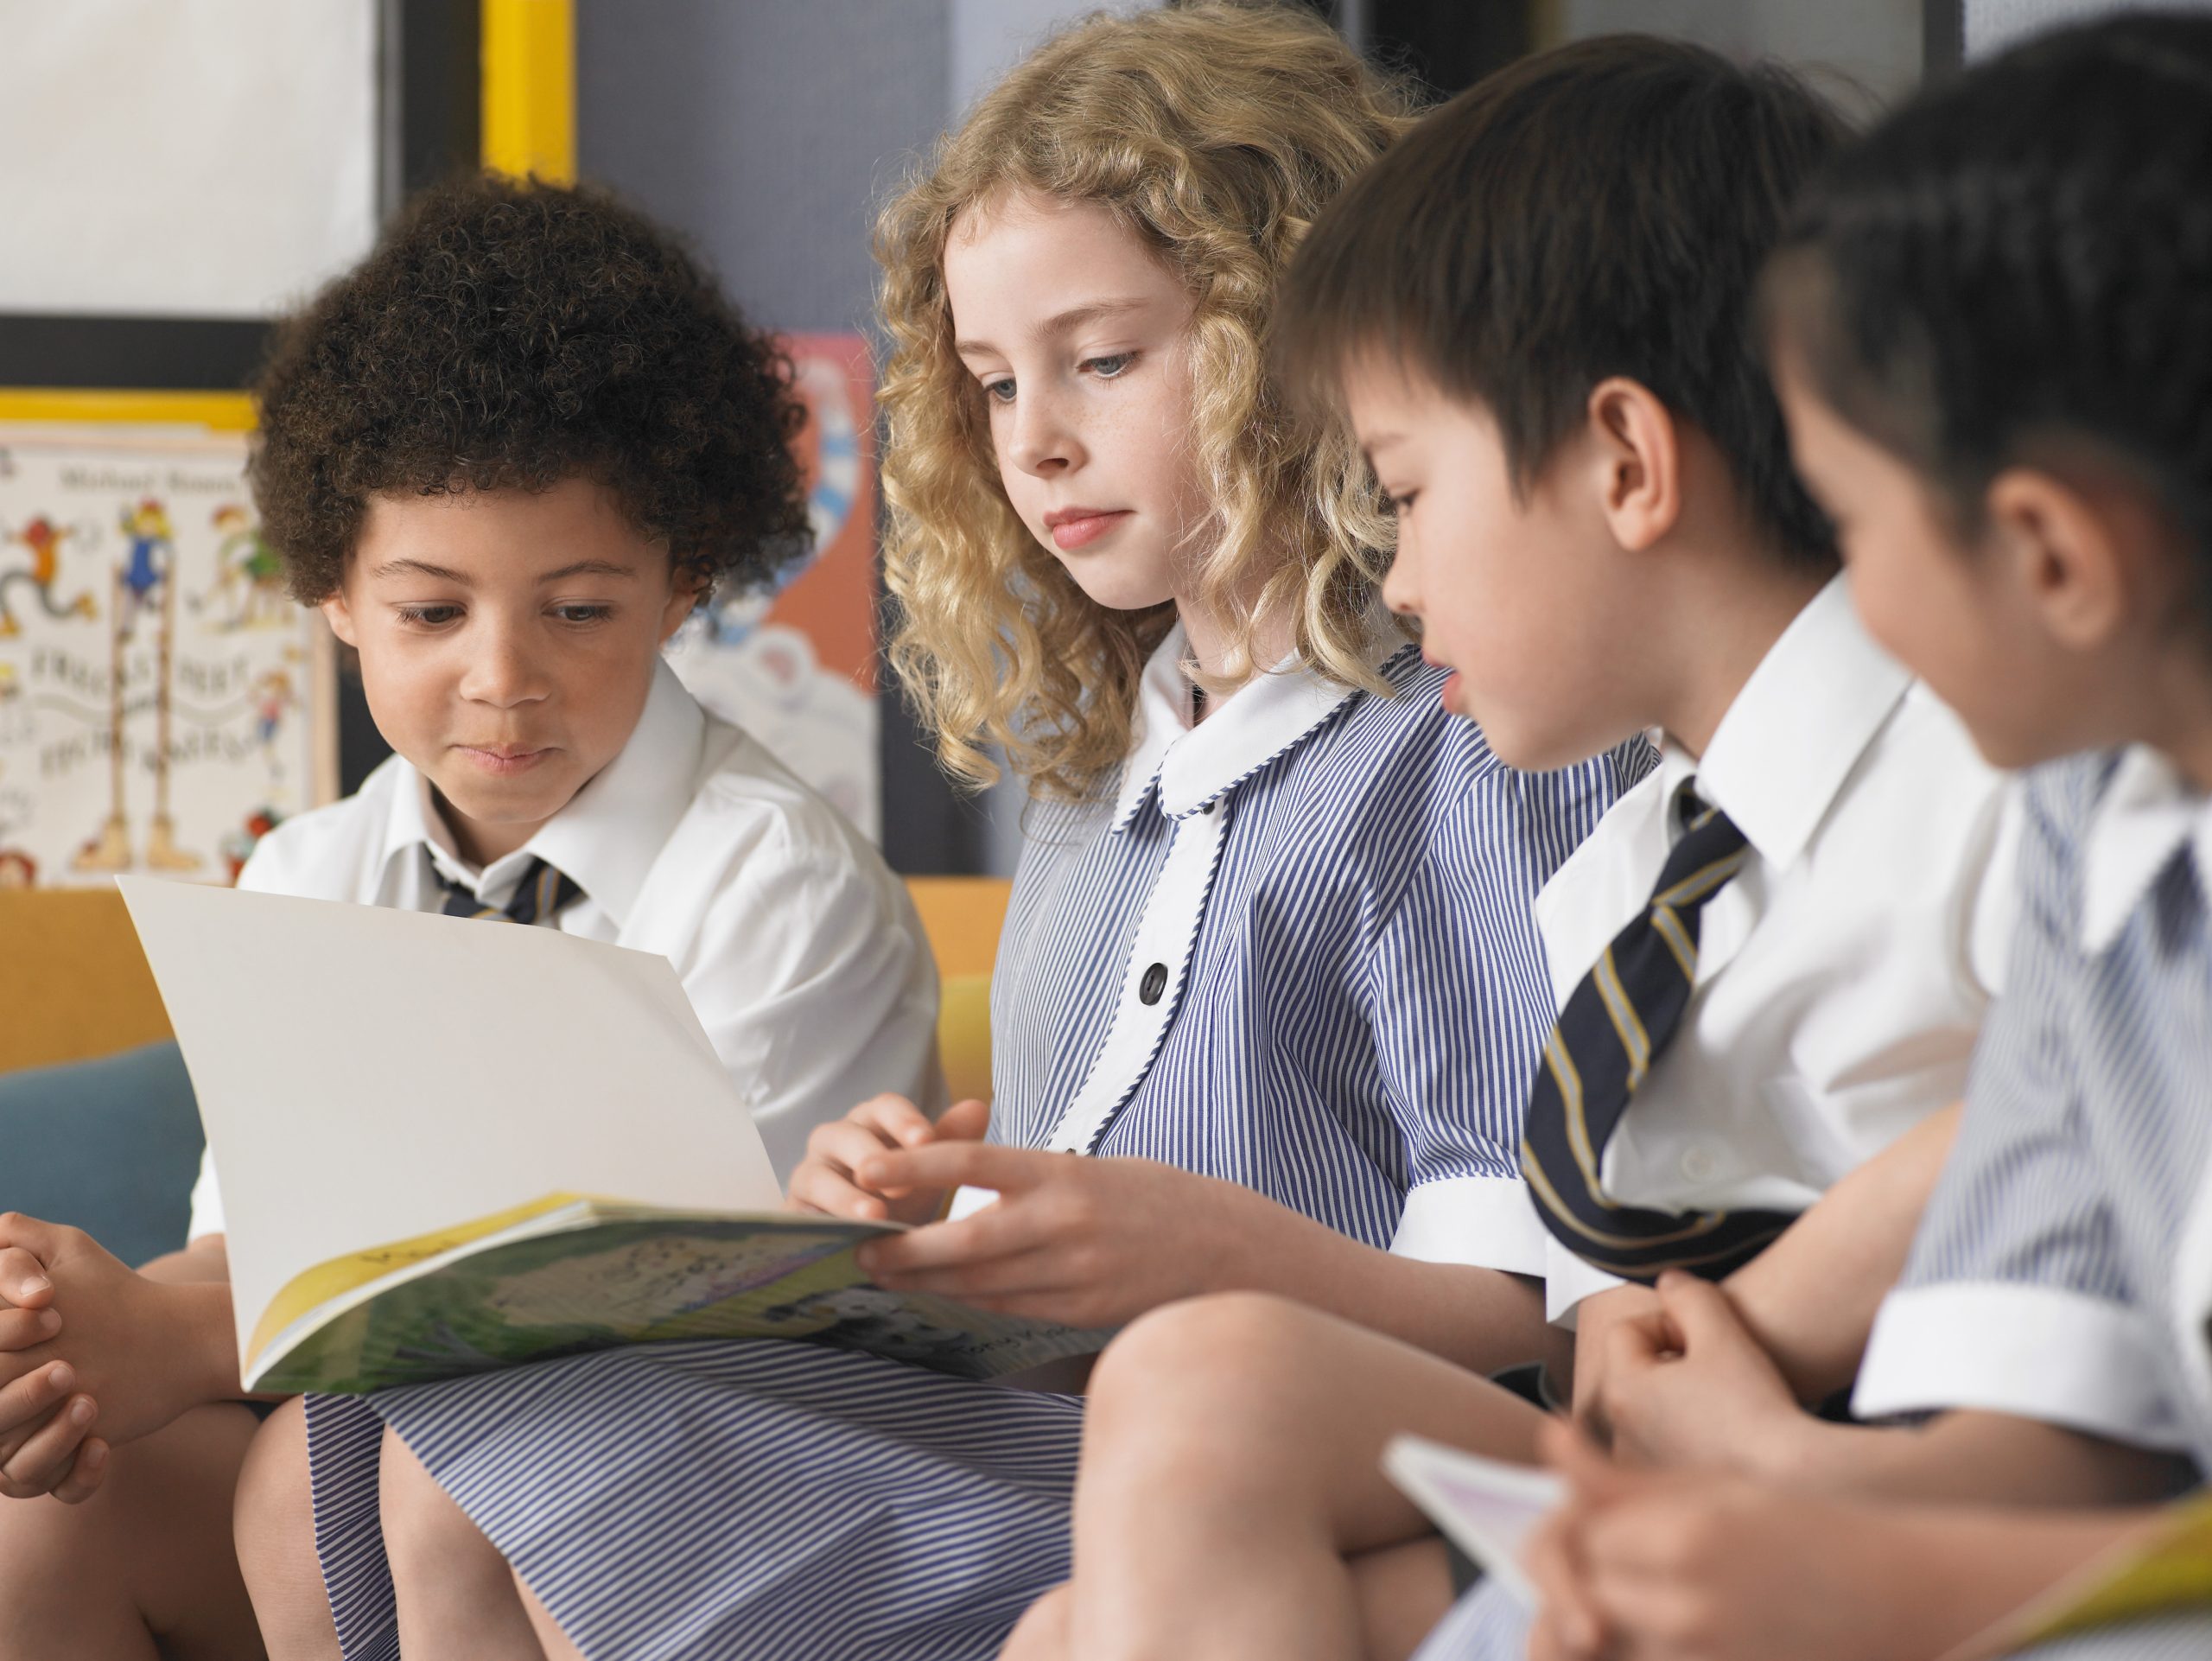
1120 360
1399 505
427 618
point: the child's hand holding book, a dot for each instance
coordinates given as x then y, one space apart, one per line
826 1178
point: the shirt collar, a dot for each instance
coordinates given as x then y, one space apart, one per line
2148 816
1194 767
610 832
1792 736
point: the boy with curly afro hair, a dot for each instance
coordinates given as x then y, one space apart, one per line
506 456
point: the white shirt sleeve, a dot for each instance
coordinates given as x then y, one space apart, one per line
816 987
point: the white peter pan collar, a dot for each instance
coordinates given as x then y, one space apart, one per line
2148 817
1194 767
1796 730
611 832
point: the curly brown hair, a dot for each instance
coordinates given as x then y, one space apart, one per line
509 334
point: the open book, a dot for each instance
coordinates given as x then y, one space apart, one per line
414 1118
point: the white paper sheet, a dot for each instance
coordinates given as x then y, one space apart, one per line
368 1075
1485 1507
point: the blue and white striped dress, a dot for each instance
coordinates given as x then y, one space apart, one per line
2063 1269
1294 950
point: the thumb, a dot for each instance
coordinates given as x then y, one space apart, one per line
28 1249
1593 1478
963 1122
1699 1313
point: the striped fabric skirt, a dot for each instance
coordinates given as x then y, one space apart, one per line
1488 1626
741 1500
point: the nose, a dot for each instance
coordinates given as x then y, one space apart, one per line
1401 584
503 669
1041 440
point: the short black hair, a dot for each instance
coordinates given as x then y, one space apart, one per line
1600 209
509 334
2022 258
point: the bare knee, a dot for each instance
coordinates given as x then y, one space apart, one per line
273 1518
1193 1365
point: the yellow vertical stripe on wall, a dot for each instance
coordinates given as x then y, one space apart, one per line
529 88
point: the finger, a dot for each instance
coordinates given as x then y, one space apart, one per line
1594 1479
42 1461
1569 1619
1701 1311
23 1280
963 1122
896 1120
25 1404
85 1474
821 1187
1635 1345
846 1142
995 1232
1037 1273
953 1164
25 1329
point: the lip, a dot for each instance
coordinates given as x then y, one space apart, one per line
502 760
1071 527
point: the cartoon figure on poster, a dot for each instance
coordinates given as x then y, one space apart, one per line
162 702
797 668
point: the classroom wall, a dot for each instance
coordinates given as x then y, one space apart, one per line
1875 42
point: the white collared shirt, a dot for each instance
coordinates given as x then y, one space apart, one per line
1843 974
800 950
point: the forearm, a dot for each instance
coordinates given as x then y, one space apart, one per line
1971 1457
1480 1319
1810 1298
1953 1572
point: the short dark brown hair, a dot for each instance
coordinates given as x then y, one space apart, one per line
509 334
1600 209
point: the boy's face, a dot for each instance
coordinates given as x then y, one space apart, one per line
1076 334
1954 615
1527 599
507 644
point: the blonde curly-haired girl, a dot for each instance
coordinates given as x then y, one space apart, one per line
1270 955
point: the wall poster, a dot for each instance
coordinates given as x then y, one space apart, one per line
162 702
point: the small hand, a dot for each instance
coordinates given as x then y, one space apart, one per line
1701 1392
1088 1242
1597 1319
825 1180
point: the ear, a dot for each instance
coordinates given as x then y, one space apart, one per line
2066 554
685 591
340 616
1639 458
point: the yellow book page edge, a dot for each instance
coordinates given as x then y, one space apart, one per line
2169 1569
311 1288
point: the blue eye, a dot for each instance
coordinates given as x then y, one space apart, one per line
1000 392
1108 368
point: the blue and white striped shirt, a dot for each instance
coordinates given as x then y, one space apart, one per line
2063 1269
1295 950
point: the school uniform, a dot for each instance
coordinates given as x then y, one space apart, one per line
2064 1268
1841 973
797 947
1290 947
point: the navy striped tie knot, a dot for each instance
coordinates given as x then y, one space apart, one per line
1616 1025
541 894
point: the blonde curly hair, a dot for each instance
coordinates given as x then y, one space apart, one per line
1214 132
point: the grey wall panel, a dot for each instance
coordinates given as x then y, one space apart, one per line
1993 25
766 129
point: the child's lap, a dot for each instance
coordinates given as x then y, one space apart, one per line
727 1498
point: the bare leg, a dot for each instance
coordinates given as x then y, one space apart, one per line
1229 1469
142 1569
457 1595
275 1520
1043 1634
1403 1591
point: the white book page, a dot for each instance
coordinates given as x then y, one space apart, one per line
1485 1507
367 1075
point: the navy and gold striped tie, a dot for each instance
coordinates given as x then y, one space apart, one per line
1615 1026
541 893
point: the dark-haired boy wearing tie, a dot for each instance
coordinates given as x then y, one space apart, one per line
506 456
1773 954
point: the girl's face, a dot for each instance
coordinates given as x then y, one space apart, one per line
1077 337
1974 621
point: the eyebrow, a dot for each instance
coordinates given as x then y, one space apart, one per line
1064 322
424 568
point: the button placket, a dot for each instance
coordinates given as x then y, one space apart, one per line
1152 981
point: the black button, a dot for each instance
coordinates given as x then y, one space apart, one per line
1154 983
